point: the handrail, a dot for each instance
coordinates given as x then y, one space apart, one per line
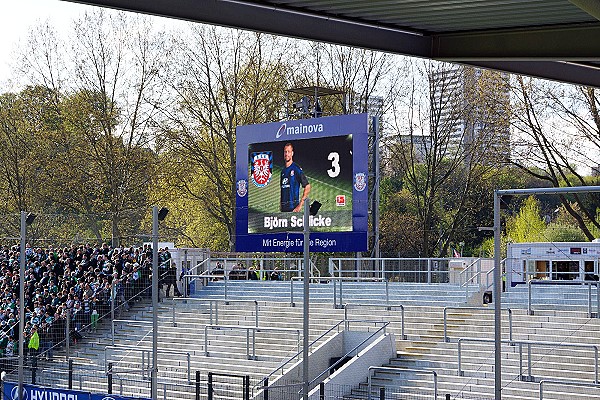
286 362
465 284
254 329
387 306
354 349
147 351
565 383
195 267
400 370
510 320
295 356
128 321
216 303
529 343
340 279
298 278
530 310
335 265
487 278
477 262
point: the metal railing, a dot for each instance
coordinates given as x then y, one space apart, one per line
530 310
129 322
355 350
400 371
301 278
528 343
565 383
435 270
214 308
250 339
146 359
341 297
225 275
475 277
510 319
296 356
388 306
338 279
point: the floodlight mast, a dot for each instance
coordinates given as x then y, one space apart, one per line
309 105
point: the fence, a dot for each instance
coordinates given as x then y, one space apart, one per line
529 344
510 319
416 270
589 284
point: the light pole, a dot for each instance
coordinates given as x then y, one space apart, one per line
498 273
156 216
26 219
308 211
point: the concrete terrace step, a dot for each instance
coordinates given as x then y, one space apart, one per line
423 319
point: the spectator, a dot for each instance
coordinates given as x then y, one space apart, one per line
34 345
171 280
74 280
252 274
275 274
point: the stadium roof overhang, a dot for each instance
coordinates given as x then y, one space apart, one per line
554 39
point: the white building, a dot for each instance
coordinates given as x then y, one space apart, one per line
552 261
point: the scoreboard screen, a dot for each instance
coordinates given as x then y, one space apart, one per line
279 164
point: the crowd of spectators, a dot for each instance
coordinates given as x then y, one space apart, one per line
75 283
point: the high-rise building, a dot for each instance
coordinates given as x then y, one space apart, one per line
372 105
471 111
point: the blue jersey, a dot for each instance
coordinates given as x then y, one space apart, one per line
291 179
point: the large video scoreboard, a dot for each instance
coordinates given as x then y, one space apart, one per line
279 163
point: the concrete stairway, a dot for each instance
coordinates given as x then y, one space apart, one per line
551 297
328 292
429 352
425 349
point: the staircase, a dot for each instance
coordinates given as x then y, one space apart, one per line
425 350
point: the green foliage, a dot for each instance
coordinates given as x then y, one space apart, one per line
563 233
527 225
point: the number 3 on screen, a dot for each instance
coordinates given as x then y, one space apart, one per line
334 171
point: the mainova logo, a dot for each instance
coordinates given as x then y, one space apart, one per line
299 129
281 131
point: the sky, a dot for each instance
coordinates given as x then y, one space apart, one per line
18 16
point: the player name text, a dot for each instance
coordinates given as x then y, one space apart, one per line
296 221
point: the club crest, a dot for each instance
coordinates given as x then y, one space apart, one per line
261 168
242 188
360 181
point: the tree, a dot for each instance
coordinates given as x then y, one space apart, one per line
226 78
26 118
527 225
452 119
98 156
558 130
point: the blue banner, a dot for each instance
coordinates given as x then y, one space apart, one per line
31 392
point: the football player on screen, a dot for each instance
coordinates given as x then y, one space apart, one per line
291 179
